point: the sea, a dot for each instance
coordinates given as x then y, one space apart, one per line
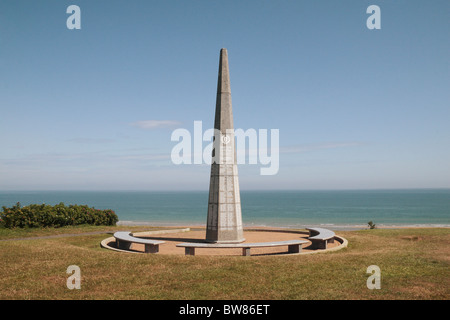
333 209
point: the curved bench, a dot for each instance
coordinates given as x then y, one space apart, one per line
319 237
124 239
294 246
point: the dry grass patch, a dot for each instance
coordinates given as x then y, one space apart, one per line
414 265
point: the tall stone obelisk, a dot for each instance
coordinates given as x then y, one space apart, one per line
224 223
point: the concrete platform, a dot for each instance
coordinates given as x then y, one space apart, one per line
253 235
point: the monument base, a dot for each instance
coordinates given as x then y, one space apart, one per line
224 236
225 241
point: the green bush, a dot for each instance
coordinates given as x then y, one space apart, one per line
60 215
371 225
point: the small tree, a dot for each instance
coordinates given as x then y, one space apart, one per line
371 224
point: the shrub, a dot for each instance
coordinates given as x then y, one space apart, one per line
60 215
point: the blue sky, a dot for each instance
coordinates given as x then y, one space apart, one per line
355 108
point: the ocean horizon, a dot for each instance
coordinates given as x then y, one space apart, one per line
335 209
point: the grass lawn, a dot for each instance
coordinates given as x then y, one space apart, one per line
414 264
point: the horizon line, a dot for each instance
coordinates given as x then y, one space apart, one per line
206 190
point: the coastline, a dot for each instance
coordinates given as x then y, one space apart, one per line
336 210
334 227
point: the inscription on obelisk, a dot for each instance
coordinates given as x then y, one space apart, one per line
224 223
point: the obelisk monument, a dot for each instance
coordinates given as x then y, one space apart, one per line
224 223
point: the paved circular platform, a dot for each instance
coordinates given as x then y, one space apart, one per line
172 237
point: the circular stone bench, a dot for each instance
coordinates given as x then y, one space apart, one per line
124 239
294 246
319 237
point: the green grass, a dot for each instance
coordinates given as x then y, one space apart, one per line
414 264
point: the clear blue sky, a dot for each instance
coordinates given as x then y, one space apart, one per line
356 108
